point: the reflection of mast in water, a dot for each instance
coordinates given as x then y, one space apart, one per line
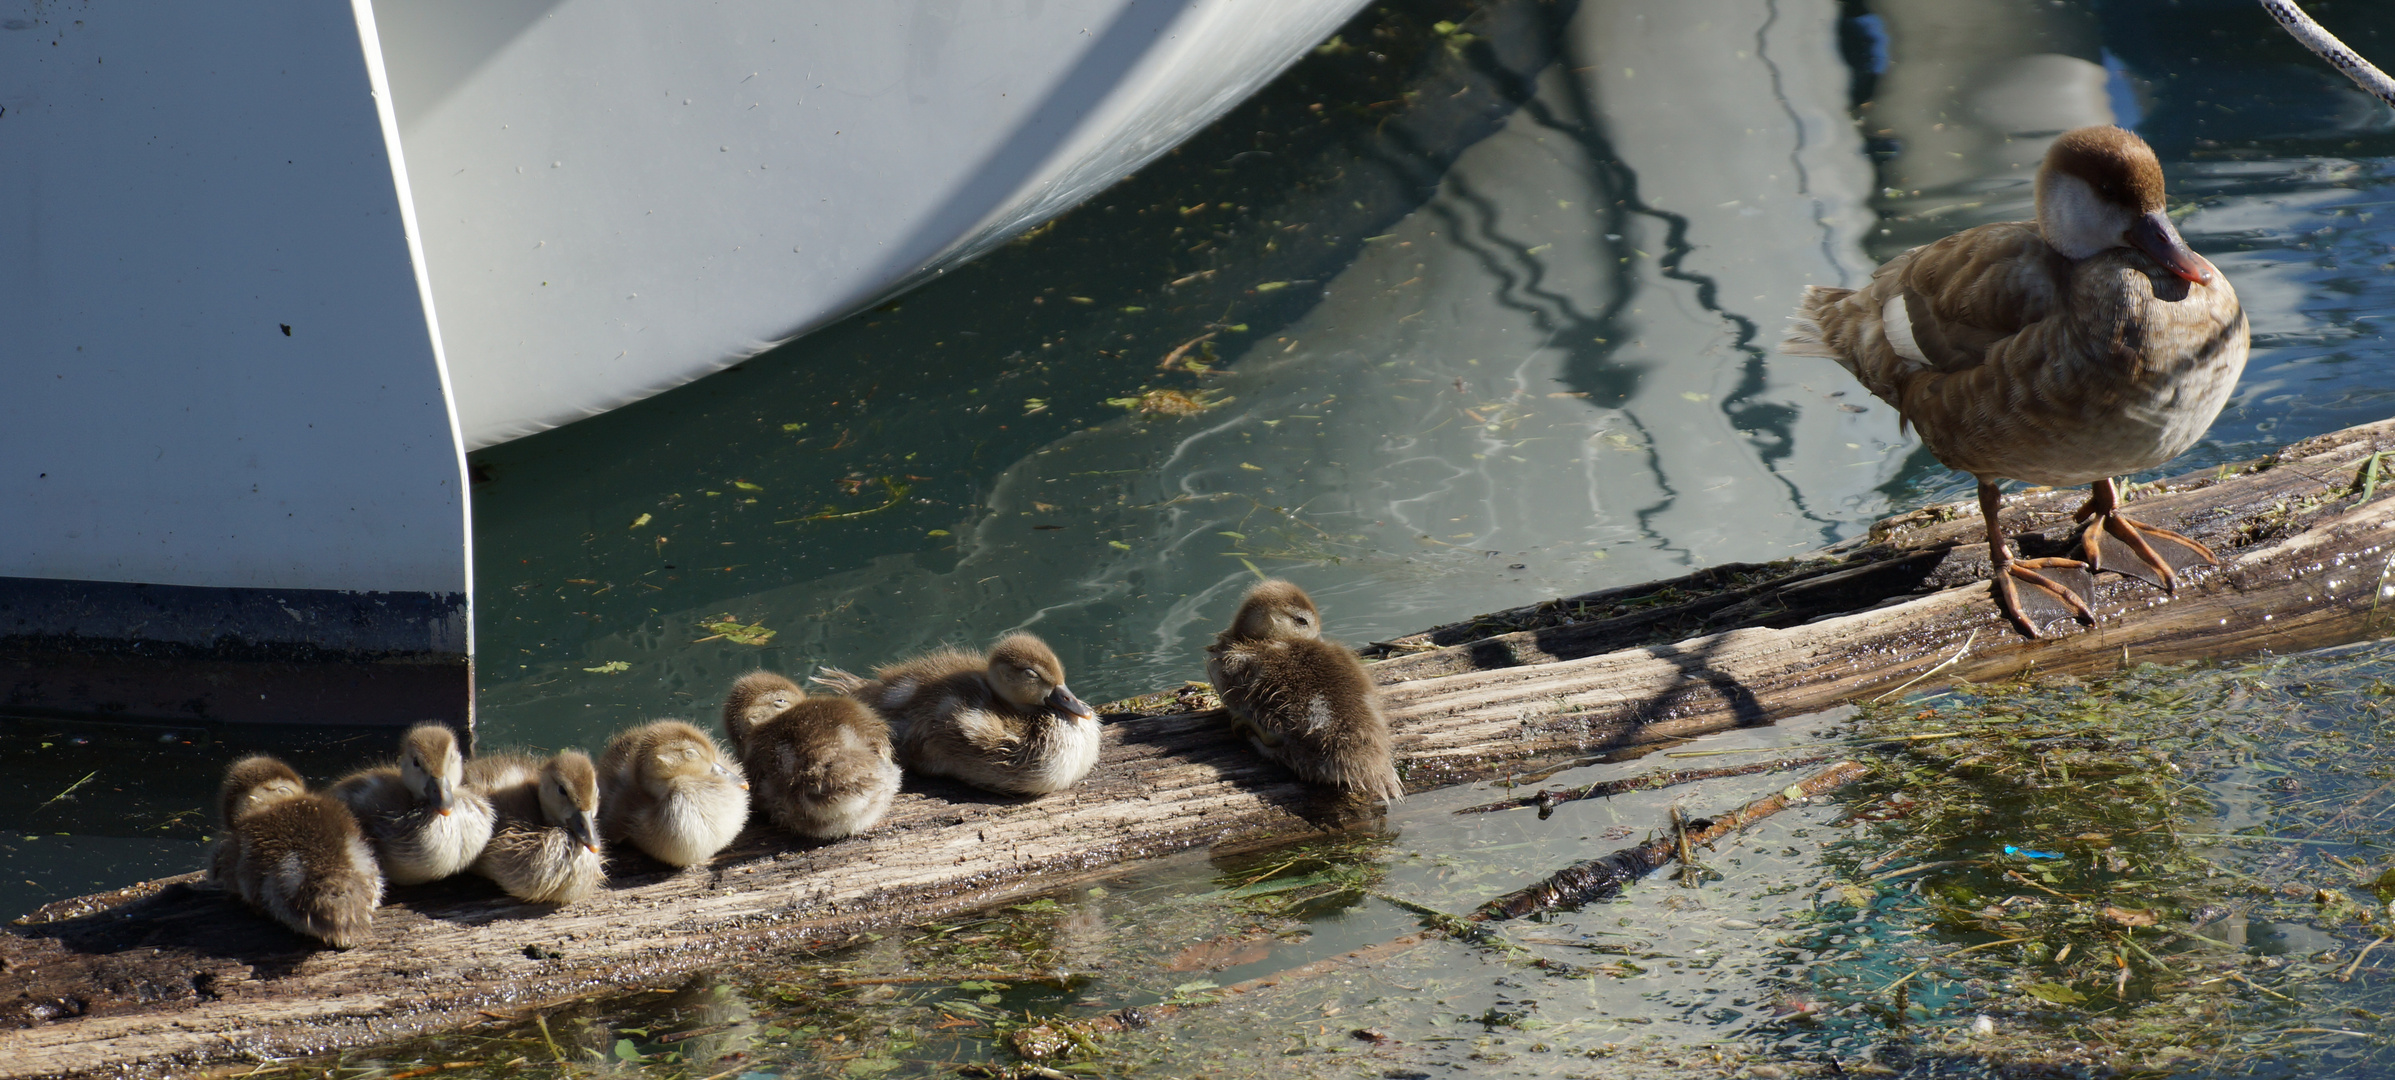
1723 126
1974 92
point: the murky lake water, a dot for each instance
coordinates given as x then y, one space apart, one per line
1462 316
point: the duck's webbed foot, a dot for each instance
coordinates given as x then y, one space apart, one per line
1263 736
2055 589
2114 541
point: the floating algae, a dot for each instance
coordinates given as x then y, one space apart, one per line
2183 870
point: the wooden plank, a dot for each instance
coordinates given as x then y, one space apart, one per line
166 977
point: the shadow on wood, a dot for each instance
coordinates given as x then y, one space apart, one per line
166 977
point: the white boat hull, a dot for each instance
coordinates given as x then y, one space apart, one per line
273 268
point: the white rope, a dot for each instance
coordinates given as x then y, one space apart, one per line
2319 40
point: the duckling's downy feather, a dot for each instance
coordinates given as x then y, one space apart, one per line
1002 722
668 788
820 767
1303 701
544 845
419 839
296 856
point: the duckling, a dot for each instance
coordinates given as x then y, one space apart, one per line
545 840
2067 350
1301 699
666 787
424 826
293 855
1003 722
823 766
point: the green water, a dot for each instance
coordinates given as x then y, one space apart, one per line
1485 313
1489 315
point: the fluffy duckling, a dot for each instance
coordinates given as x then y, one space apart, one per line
666 787
823 767
424 824
295 856
545 841
1003 722
1301 699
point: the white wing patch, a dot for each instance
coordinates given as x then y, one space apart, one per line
1897 323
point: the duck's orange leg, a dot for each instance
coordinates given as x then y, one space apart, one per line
2116 542
2057 586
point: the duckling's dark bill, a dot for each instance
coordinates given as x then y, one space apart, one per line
1063 699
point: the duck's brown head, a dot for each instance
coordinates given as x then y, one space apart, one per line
758 696
2101 188
1026 672
1277 610
431 766
255 783
570 797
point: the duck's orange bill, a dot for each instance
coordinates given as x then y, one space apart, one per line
2157 237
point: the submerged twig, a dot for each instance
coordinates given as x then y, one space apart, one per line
1576 884
70 789
1549 799
1597 879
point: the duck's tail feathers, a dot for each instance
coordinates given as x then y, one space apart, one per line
1805 336
837 680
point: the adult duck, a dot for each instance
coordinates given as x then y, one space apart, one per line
2069 350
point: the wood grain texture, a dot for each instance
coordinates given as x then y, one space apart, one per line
169 977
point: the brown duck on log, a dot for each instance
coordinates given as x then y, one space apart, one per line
2083 345
167 977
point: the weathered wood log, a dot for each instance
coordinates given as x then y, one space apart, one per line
167 977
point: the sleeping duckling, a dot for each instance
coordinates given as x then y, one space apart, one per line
545 840
295 856
666 787
823 767
424 826
1302 700
1004 722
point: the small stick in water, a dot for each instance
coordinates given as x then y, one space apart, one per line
1549 799
1575 884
